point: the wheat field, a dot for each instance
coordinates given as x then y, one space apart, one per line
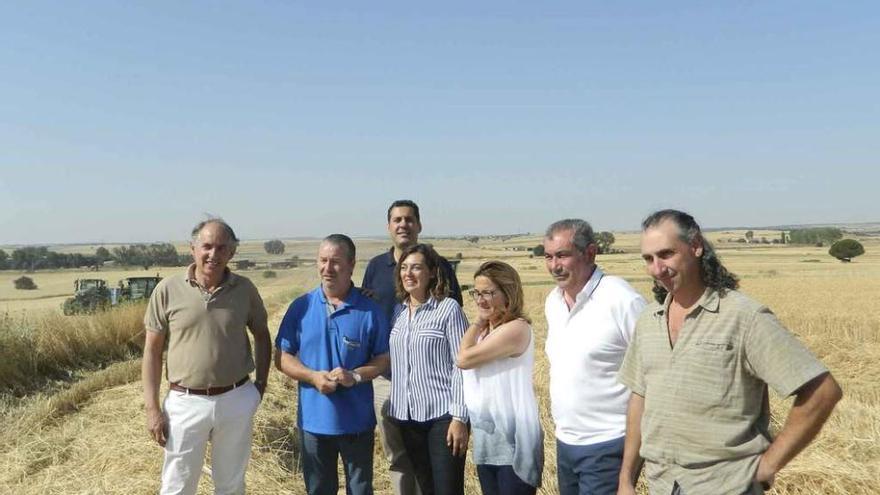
84 433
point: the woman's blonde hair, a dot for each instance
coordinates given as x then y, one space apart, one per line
507 280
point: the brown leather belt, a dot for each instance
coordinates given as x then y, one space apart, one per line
210 390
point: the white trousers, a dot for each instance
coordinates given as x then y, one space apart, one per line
226 421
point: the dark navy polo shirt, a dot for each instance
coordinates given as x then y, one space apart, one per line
348 337
379 278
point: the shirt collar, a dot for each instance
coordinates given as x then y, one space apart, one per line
389 257
588 289
353 294
709 301
430 304
229 278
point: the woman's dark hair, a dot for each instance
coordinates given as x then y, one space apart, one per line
507 280
712 272
438 286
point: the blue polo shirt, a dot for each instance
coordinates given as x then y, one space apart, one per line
348 337
379 278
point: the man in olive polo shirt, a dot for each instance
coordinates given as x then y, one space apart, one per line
699 369
202 314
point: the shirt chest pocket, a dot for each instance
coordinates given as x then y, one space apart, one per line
431 332
711 374
354 348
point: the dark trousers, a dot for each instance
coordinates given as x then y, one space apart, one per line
320 454
589 469
437 470
502 480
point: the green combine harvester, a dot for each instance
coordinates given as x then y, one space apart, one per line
92 294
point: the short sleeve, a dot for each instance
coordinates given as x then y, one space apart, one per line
629 316
288 332
631 371
156 317
257 317
381 333
777 357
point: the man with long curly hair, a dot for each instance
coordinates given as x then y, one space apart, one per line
699 369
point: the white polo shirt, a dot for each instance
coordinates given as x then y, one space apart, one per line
585 347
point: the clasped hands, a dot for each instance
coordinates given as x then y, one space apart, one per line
327 381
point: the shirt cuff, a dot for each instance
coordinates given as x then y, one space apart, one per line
459 412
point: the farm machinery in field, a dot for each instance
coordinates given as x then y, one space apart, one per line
89 295
92 295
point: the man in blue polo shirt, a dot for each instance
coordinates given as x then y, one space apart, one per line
404 226
334 341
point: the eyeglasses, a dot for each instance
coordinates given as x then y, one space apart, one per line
485 294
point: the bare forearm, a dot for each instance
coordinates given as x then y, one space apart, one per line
262 354
151 370
291 366
375 367
631 464
811 409
468 342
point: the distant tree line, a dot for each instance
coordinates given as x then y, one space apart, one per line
32 258
147 255
604 241
815 235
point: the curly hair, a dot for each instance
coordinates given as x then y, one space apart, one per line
438 285
712 272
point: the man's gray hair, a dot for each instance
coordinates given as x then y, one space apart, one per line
343 241
230 234
582 232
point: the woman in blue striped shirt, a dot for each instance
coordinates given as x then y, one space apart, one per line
426 388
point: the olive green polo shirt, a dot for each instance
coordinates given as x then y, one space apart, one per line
206 332
707 415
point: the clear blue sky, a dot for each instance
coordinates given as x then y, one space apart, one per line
127 121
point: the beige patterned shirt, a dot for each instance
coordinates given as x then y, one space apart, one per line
706 418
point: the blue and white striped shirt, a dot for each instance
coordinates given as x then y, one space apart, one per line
425 382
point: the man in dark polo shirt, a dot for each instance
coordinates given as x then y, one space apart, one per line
699 368
404 226
202 314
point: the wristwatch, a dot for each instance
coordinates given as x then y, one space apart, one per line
357 377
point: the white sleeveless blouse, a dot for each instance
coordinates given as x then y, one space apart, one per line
503 412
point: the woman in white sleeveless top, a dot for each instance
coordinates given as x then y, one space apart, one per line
497 354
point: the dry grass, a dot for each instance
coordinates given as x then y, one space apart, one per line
53 347
92 440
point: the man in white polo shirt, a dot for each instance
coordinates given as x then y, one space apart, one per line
590 322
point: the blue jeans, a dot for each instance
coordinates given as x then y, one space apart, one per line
319 458
502 480
589 469
437 470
